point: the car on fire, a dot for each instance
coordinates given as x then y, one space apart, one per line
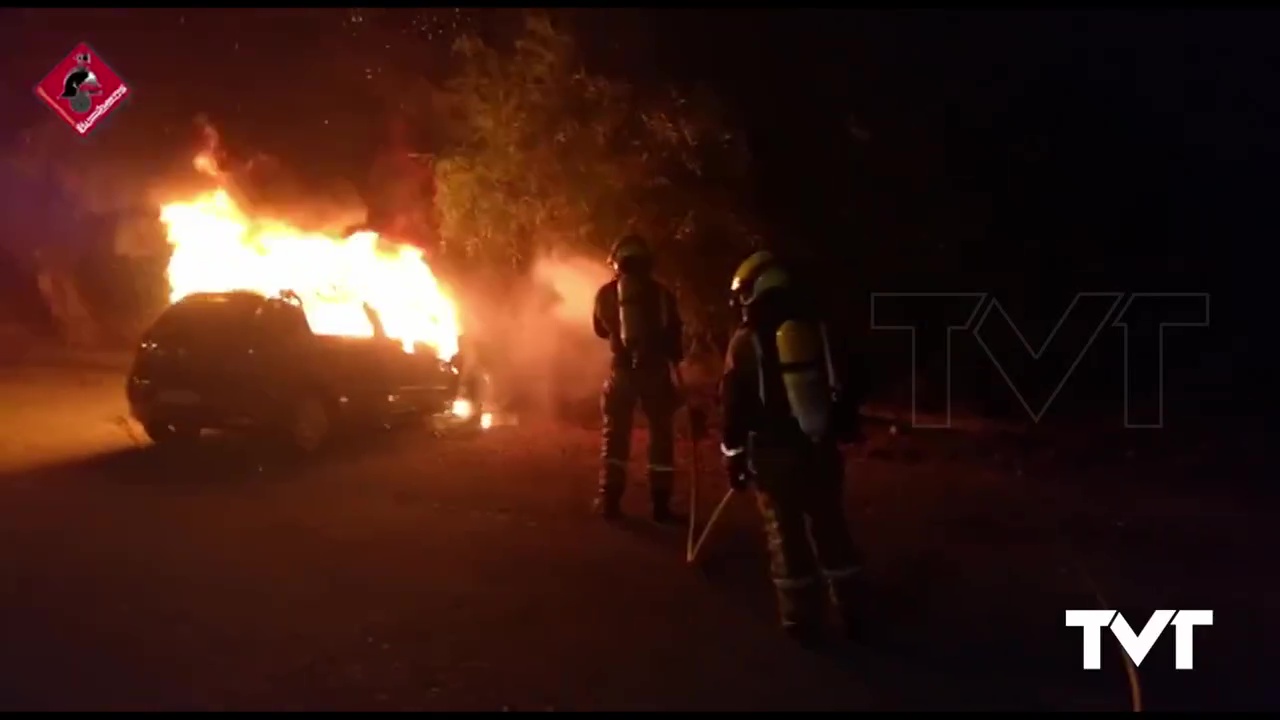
246 361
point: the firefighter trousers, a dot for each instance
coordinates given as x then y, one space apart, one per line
799 489
651 388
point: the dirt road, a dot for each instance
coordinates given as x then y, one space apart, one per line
409 571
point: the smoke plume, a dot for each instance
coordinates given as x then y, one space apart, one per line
536 337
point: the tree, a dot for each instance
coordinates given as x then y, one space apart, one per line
550 156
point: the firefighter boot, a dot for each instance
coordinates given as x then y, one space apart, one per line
806 636
844 589
608 507
800 605
608 502
660 482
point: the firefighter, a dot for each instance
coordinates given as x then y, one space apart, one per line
785 414
638 317
472 380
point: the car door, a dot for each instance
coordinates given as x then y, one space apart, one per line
285 358
195 356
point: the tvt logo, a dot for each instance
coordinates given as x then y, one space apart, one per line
1143 319
1137 645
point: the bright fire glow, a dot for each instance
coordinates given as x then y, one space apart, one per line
217 247
464 410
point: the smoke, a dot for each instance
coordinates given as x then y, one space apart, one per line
270 189
573 280
262 186
536 337
211 157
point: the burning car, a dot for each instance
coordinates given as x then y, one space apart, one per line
294 330
244 361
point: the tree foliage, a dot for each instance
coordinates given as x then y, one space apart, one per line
550 156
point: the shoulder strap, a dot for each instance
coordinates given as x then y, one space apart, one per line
832 378
759 360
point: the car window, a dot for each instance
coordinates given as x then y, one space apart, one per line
281 321
203 321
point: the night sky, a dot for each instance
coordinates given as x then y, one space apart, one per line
1036 152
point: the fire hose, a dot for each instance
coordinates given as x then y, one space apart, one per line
692 546
697 430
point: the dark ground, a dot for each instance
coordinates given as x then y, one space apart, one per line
412 572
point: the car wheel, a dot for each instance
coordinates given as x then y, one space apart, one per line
170 433
309 425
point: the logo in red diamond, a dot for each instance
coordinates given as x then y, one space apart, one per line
82 89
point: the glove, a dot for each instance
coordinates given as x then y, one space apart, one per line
738 470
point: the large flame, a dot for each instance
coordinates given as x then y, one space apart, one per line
217 247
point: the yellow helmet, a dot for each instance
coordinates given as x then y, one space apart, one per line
761 271
628 247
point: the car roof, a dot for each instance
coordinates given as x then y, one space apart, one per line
199 312
247 299
241 296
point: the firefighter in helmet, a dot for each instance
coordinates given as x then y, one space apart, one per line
785 413
638 317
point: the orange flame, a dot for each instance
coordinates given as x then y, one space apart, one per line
217 247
